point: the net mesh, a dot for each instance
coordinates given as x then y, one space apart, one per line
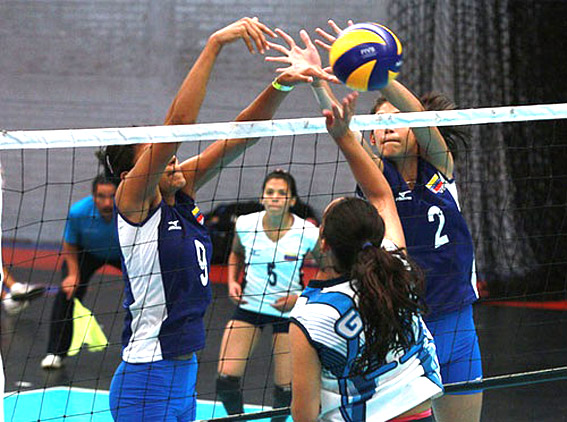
486 53
47 171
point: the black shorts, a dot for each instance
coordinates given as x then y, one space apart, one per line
279 325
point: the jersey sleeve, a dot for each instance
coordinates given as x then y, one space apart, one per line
238 226
244 226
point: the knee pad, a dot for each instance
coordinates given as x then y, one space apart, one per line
282 398
229 393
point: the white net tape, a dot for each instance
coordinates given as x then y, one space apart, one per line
38 139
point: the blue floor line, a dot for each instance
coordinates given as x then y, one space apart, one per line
63 404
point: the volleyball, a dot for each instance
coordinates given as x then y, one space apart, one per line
366 56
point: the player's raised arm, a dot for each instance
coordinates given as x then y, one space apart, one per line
432 145
369 177
141 167
203 167
323 92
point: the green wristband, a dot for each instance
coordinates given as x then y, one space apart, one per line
280 87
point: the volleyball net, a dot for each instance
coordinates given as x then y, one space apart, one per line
510 178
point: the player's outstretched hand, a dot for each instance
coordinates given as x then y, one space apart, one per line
250 30
329 38
337 119
304 63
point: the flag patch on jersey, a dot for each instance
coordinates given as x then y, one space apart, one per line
198 216
436 184
290 257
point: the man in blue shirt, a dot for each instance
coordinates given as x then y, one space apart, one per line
90 243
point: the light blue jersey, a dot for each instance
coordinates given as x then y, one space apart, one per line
166 262
273 269
327 314
87 230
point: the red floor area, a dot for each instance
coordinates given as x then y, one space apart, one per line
51 260
556 305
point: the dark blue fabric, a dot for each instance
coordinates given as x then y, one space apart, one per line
155 391
448 267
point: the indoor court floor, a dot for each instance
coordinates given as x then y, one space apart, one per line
513 339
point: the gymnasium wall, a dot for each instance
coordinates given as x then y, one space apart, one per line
83 64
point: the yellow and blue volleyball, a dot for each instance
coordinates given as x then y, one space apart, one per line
366 56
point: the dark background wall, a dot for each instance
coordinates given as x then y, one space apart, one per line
82 64
538 152
78 64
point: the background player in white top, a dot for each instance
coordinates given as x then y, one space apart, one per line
270 246
360 350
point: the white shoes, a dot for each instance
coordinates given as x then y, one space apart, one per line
52 362
24 291
19 296
13 307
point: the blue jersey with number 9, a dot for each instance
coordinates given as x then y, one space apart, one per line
166 262
437 236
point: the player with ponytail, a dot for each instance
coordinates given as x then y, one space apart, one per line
360 349
387 289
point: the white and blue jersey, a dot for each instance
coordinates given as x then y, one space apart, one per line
437 237
327 314
166 262
272 269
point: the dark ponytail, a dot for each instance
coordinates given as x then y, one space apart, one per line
388 298
116 159
387 289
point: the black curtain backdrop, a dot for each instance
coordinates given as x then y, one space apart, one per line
512 177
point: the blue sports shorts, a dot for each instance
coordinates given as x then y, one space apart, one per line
154 391
457 346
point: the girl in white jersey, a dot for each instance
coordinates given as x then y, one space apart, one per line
270 246
360 350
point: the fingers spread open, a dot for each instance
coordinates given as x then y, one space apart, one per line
334 26
306 39
278 47
289 40
324 34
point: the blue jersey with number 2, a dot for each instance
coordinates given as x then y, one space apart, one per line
437 236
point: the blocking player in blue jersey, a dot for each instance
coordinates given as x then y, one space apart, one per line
166 249
419 166
360 349
270 246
